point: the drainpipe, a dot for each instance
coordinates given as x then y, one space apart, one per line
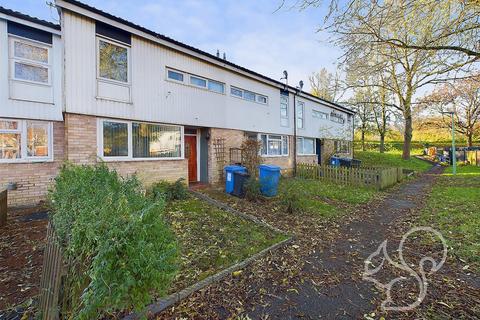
295 133
353 136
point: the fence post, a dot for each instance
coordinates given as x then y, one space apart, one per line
3 207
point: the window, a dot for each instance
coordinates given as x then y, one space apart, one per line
262 99
284 110
248 95
216 86
156 141
134 140
305 146
30 61
236 92
349 118
199 82
27 140
274 145
115 139
319 115
113 61
301 115
175 75
338 118
342 146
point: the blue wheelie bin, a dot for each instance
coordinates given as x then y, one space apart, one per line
230 177
335 161
269 178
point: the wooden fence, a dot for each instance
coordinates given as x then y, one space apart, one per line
3 207
379 178
51 280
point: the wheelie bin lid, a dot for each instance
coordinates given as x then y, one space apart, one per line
269 167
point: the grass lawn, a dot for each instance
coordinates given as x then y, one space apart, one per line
211 239
325 198
391 159
453 210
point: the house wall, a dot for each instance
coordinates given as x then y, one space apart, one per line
20 99
81 146
33 179
153 98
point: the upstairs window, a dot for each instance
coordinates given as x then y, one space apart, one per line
199 82
338 118
175 75
319 115
216 86
25 140
248 95
274 145
113 61
300 115
284 110
30 61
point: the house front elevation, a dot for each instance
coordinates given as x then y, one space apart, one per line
104 89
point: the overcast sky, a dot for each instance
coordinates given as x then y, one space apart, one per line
251 32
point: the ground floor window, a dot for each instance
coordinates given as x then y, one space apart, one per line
25 140
274 145
342 146
305 146
137 140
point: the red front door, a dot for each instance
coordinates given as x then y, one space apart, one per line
191 154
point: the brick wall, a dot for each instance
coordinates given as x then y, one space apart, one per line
232 139
34 178
81 145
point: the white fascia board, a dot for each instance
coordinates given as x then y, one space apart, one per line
30 24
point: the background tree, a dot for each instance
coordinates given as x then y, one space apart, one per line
361 103
462 97
325 85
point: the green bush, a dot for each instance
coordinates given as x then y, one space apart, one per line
119 249
252 189
290 198
170 191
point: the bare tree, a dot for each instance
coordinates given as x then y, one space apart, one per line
325 85
461 97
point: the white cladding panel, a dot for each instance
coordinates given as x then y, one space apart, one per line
27 100
153 98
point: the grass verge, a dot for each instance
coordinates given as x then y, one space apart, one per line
391 159
453 209
211 239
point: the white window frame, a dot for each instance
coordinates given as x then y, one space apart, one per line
22 130
256 95
187 80
300 107
302 147
130 142
176 71
129 61
12 39
287 117
282 140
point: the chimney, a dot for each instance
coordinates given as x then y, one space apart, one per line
218 53
224 56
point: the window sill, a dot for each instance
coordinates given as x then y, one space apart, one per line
123 159
114 100
276 156
306 155
25 161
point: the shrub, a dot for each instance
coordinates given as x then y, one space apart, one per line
252 189
118 247
290 198
170 191
251 157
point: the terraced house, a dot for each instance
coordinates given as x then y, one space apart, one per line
99 88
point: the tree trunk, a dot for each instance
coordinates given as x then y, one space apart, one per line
470 139
363 140
382 143
407 138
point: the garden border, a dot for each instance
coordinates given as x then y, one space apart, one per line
173 298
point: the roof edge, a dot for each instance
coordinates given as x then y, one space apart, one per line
26 17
